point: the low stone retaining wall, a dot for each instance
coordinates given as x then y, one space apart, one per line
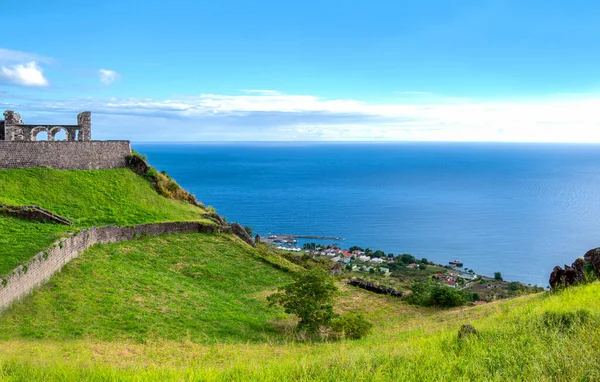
33 213
28 276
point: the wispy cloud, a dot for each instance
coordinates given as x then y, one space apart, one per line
277 116
15 56
29 74
261 92
107 77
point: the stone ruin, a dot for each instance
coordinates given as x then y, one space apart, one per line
12 128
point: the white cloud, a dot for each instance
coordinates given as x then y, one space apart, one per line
28 74
15 56
261 92
276 116
107 77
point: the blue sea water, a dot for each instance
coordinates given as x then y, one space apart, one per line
518 209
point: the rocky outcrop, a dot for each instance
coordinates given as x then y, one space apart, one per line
375 288
578 272
217 218
592 257
33 213
240 232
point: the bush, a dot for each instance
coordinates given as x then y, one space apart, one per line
498 276
351 325
446 297
435 295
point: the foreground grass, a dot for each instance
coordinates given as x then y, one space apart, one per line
194 287
93 198
516 341
20 239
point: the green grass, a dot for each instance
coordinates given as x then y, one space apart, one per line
93 198
516 341
196 287
87 198
20 239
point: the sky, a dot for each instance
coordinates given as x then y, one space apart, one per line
328 70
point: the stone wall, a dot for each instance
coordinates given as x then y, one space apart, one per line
64 155
39 270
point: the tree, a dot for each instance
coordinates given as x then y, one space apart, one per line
310 297
498 276
407 259
378 253
422 267
248 229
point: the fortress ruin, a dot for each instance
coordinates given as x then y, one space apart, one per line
12 128
20 147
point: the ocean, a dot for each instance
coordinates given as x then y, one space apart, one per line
518 209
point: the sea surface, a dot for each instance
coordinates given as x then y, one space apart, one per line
518 209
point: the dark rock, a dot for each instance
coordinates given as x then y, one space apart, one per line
216 217
571 275
372 287
592 257
240 232
466 331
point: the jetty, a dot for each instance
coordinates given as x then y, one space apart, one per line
293 239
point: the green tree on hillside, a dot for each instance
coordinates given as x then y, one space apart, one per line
310 297
498 276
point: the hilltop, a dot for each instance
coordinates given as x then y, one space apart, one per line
193 306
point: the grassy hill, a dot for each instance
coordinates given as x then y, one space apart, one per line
199 287
87 198
92 198
193 308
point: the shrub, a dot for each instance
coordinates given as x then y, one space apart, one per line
446 297
351 325
498 276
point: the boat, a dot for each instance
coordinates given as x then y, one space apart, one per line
457 263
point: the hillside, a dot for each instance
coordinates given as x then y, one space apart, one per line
87 198
193 307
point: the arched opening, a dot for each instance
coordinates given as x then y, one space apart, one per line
39 135
59 133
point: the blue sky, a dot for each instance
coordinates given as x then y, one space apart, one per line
310 70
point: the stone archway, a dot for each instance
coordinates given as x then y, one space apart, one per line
58 133
40 129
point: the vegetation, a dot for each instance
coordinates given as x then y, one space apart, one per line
498 276
20 239
433 294
87 198
537 337
310 297
195 287
93 198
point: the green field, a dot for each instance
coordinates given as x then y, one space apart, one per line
197 287
87 198
93 198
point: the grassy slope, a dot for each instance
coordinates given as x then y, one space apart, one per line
515 342
193 307
20 239
92 198
176 287
88 198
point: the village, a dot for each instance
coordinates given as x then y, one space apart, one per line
400 271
